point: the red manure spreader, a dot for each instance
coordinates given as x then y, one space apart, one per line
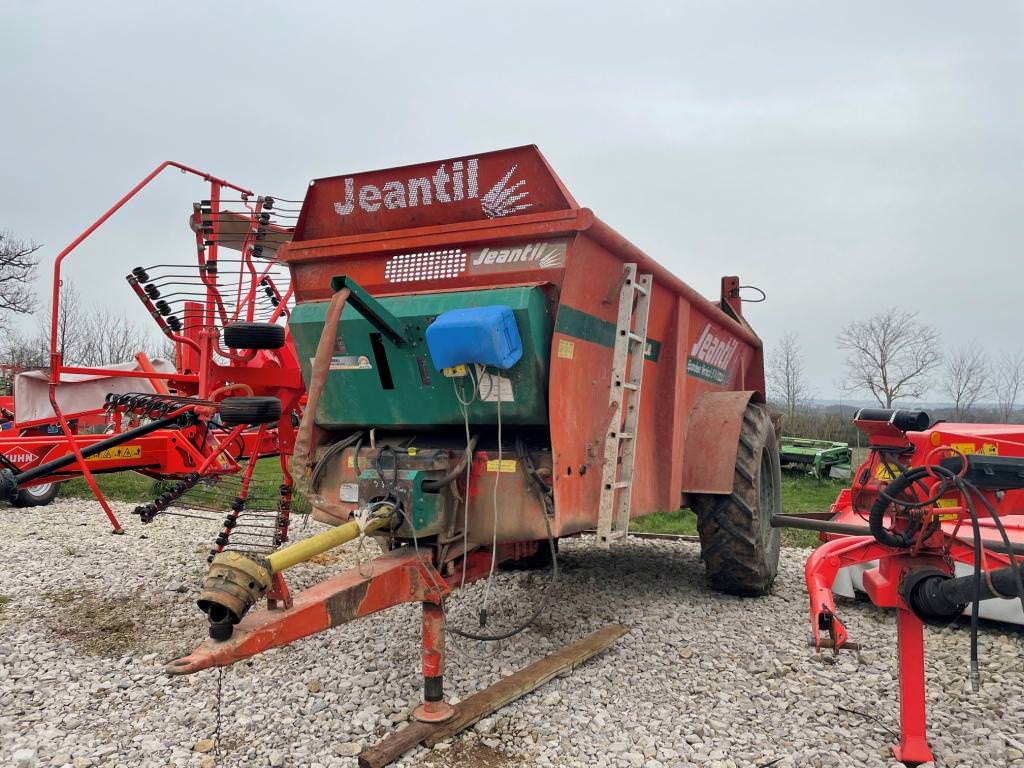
491 367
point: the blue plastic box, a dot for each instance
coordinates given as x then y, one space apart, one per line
483 335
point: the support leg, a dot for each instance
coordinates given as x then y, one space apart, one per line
279 596
913 746
434 708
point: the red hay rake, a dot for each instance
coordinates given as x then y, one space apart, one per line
233 394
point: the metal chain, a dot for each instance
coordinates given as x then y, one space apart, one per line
216 732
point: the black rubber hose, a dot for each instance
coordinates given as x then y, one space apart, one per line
430 486
960 589
890 495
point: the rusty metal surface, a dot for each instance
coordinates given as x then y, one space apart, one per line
712 437
489 185
393 578
344 605
695 347
520 512
492 698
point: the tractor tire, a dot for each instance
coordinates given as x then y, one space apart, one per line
254 336
250 410
36 495
739 547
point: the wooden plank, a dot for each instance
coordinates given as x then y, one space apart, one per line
492 698
645 535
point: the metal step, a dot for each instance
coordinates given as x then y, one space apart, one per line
628 357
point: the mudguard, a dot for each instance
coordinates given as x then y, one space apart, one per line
712 439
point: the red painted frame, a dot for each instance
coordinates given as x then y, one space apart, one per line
951 543
169 452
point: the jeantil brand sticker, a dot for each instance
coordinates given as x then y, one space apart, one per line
711 356
538 255
449 184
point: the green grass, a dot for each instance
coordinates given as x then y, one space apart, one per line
133 487
117 486
800 494
4 600
678 522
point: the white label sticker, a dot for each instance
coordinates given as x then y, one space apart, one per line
348 363
494 387
350 492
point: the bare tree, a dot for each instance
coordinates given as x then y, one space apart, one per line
1007 378
24 352
89 335
787 379
966 377
110 339
71 325
889 355
17 268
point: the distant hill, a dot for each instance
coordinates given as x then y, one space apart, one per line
845 409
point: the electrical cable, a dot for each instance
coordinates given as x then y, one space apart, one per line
330 453
464 407
494 527
547 503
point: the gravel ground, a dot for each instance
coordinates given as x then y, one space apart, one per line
702 679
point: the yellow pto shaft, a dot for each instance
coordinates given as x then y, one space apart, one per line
301 551
236 580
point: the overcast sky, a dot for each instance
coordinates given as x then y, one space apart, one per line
845 157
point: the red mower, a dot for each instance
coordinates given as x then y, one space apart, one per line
932 526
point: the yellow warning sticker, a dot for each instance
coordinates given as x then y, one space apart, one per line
118 453
882 472
566 348
987 449
505 465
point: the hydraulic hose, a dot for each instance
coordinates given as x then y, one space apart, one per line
453 474
317 379
891 495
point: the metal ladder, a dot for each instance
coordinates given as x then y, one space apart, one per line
624 404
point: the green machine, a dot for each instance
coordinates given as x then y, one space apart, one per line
384 377
820 458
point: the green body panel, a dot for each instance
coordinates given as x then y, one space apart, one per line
419 395
426 507
583 325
